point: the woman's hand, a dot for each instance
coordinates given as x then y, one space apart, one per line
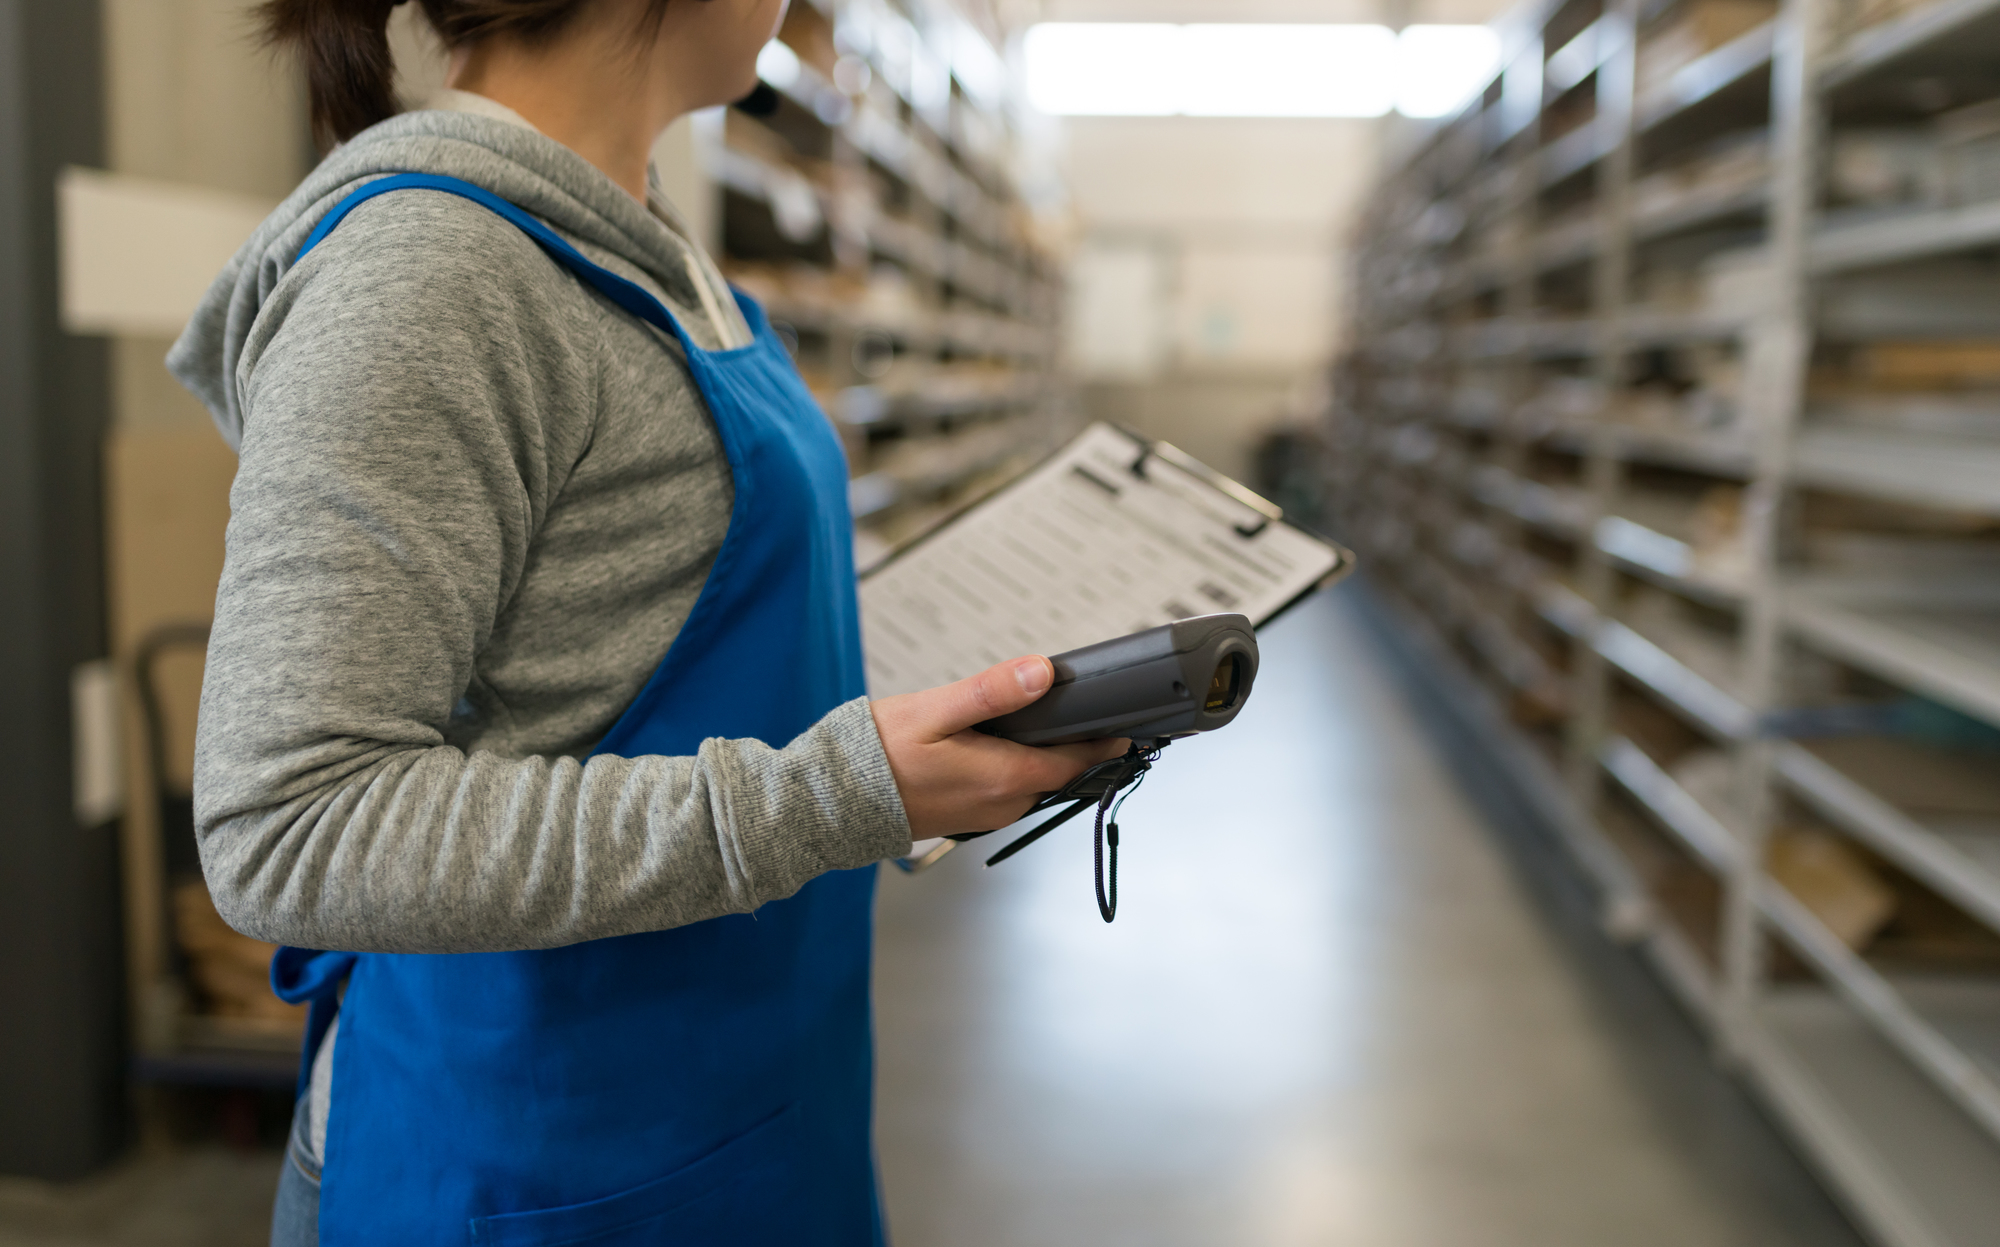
956 780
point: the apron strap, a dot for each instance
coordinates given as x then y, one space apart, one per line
307 976
626 294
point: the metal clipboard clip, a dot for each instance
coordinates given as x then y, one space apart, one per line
1264 509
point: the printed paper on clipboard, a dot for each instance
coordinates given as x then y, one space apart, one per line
1111 535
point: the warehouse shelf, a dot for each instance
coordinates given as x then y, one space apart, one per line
1715 711
1563 609
1572 242
1732 65
1664 560
1712 479
1670 805
941 401
1650 327
759 179
1699 206
888 242
1716 454
1910 36
1911 1165
1520 667
1501 337
1943 648
1576 60
1562 512
963 333
219 1067
1628 912
1961 866
1905 236
1968 1080
1926 470
1678 964
1557 337
1576 152
870 495
1964 1008
1535 777
810 90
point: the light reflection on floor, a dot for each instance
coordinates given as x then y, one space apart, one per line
1326 1015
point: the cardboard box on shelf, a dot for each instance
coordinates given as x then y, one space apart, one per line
1834 880
1825 513
1859 15
1949 365
229 969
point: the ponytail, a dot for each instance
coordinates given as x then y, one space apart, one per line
350 75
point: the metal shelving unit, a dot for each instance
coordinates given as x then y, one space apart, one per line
877 215
1671 431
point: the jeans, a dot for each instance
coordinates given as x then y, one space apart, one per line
295 1213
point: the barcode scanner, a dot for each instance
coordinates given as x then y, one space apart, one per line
1155 687
1189 676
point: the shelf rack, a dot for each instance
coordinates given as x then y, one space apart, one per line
1623 441
878 214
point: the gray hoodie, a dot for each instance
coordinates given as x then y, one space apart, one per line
474 505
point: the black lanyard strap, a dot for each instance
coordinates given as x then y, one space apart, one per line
1105 786
1107 908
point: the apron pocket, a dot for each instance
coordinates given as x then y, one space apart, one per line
743 1192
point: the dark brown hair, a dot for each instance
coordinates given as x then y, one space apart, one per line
344 44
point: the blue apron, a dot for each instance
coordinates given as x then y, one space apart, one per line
710 1084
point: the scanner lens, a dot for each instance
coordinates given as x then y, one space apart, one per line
1225 683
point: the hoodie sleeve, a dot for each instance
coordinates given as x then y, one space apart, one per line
401 450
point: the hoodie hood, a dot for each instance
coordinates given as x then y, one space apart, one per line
520 165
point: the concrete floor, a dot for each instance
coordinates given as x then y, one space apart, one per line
1351 999
1342 1005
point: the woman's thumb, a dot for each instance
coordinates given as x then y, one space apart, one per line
1000 689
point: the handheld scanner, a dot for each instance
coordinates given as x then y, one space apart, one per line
1189 676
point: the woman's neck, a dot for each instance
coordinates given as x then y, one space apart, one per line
563 90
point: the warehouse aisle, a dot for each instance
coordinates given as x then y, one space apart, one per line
1340 1006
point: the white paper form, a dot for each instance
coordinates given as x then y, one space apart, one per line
1081 549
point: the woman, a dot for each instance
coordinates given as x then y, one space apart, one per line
535 685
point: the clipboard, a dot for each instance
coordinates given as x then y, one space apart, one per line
1112 534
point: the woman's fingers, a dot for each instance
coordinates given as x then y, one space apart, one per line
1049 767
956 780
1000 689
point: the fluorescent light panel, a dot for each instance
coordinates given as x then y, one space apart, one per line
1139 69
